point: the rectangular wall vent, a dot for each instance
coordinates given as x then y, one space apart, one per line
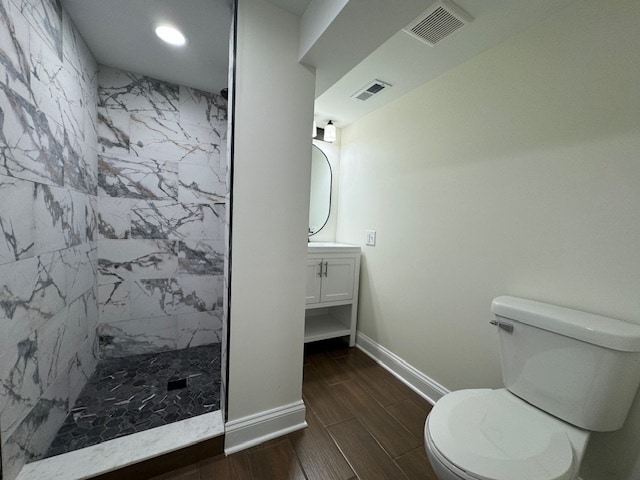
439 21
369 90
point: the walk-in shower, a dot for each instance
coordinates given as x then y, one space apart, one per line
113 203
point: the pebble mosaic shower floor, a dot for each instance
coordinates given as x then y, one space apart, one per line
131 394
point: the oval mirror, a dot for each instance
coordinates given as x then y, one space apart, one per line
320 197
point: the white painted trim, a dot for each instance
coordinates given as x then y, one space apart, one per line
417 381
258 428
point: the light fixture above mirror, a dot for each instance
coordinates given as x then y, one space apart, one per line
326 134
330 132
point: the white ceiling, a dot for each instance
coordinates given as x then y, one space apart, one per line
297 7
120 34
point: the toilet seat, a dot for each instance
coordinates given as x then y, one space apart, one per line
493 435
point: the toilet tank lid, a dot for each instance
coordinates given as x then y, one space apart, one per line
587 327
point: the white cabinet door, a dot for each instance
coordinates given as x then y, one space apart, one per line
314 280
332 293
337 279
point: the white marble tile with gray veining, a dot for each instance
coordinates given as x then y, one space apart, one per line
113 302
201 257
201 221
14 38
72 101
53 211
59 340
91 301
91 217
47 85
113 128
75 115
80 172
17 237
173 220
120 260
82 219
200 184
50 292
82 365
45 22
136 336
77 57
114 217
89 153
151 298
137 178
200 293
35 432
30 145
82 268
153 137
48 174
200 328
33 290
60 218
167 296
20 386
158 218
134 93
203 109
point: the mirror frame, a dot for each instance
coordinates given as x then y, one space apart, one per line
326 159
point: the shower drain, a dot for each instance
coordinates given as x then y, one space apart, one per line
176 384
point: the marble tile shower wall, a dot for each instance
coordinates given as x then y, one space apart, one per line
48 224
161 214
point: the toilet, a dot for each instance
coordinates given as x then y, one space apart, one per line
566 373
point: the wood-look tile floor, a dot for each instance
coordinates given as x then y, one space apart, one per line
363 424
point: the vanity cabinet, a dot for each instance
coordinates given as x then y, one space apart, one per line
332 291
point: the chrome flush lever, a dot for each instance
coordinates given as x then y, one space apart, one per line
507 327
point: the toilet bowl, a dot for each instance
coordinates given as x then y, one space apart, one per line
566 373
493 435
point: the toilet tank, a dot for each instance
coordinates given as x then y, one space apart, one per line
579 367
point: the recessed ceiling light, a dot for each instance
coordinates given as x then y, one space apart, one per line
171 35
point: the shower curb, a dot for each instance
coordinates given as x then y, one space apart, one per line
122 452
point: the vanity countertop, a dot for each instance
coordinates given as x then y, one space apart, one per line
332 247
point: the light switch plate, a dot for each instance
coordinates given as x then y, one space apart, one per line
371 238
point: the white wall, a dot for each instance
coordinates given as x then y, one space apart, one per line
316 19
270 211
516 173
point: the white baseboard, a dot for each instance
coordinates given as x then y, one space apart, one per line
254 429
417 381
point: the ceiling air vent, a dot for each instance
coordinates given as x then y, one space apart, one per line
439 21
370 90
